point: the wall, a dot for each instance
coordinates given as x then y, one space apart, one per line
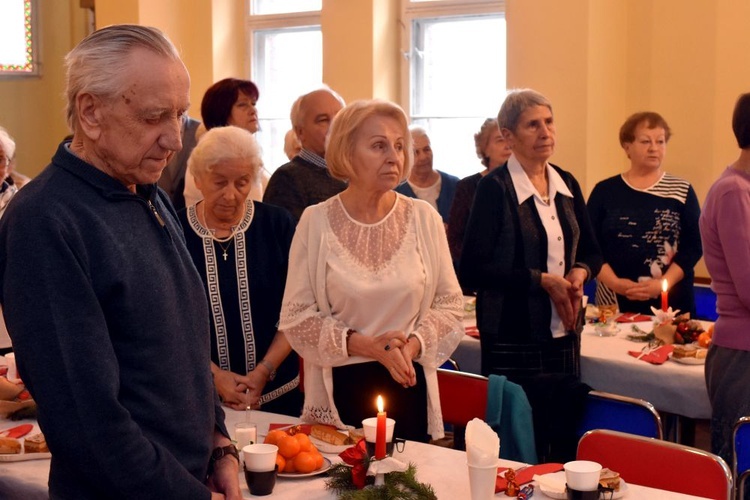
32 109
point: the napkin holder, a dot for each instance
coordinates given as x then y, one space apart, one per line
665 332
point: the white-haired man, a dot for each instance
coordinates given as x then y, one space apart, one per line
107 313
305 180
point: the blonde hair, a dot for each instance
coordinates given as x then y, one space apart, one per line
8 145
344 132
222 144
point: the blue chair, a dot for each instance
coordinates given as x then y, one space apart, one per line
741 463
705 303
620 413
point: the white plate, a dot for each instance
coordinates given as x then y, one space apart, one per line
559 477
324 447
296 475
20 457
688 361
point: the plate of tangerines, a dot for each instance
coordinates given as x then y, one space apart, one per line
298 456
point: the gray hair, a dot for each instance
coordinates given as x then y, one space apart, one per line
418 130
222 144
518 101
97 64
294 112
8 144
482 138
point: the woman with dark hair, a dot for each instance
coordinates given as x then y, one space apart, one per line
726 243
493 151
230 101
646 222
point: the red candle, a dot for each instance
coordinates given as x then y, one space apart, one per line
664 305
380 431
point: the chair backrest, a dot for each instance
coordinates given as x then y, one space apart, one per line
463 396
741 465
605 410
658 464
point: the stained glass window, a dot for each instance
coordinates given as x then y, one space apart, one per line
17 44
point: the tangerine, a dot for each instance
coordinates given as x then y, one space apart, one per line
273 437
704 339
318 459
305 462
288 446
304 442
280 462
289 466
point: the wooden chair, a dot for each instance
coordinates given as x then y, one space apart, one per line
605 410
463 396
658 464
741 460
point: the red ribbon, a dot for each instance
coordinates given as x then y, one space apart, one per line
356 456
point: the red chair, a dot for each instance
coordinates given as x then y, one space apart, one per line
463 396
658 464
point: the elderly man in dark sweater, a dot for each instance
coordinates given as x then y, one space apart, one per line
305 180
105 308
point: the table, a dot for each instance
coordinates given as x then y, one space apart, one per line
443 468
607 366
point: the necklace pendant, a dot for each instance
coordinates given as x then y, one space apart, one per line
225 255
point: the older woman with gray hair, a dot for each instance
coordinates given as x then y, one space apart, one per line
7 150
529 248
372 303
493 150
241 248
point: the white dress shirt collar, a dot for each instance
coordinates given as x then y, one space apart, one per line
525 189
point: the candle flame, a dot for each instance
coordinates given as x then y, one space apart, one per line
380 404
663 285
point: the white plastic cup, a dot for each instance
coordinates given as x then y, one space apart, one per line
482 482
260 457
370 427
582 475
12 374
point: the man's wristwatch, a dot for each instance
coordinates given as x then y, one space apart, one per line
221 452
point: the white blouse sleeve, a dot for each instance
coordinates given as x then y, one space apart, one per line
440 328
314 334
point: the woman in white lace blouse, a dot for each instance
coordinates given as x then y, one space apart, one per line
372 303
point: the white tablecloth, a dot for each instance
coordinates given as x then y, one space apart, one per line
607 366
443 468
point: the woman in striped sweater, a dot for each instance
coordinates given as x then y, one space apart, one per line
646 221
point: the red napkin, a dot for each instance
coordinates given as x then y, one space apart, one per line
472 331
525 475
632 318
656 357
18 431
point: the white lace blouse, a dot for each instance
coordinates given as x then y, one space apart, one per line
393 275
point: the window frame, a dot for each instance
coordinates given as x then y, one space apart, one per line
31 23
268 22
411 10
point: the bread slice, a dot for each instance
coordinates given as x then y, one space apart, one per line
328 434
684 351
355 435
609 479
10 446
35 444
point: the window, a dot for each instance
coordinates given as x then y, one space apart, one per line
262 7
17 38
287 61
457 75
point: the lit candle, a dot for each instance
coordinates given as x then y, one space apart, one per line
380 431
664 305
